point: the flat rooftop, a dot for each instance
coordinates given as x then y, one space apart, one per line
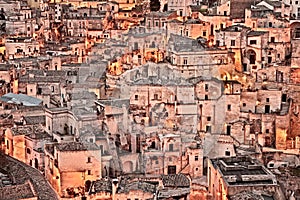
243 170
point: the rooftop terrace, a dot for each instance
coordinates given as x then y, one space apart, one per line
243 171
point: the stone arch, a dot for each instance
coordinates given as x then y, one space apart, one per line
87 185
251 55
47 66
295 30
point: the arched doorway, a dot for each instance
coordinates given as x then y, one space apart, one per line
295 30
251 55
87 185
128 167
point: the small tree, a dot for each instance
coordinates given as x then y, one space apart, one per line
154 5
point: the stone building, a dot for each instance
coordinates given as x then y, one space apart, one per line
21 47
192 28
233 175
194 58
181 7
71 167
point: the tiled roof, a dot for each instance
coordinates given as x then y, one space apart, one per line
30 120
15 192
76 146
246 195
137 185
235 28
167 193
257 33
160 14
195 8
102 185
22 174
175 180
115 102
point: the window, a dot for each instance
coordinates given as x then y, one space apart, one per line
136 97
283 97
89 172
52 88
206 97
204 33
171 147
206 87
244 104
228 129
270 59
172 169
229 107
208 119
252 41
272 39
89 159
39 91
208 129
196 158
267 109
28 151
267 131
185 61
227 153
155 96
270 24
267 100
156 23
232 43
